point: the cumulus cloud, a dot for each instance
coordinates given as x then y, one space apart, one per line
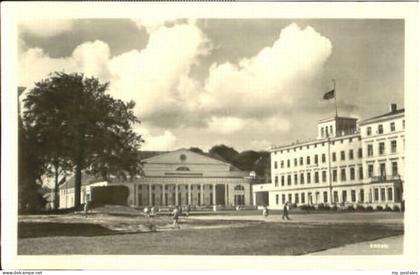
254 93
274 79
157 76
226 125
90 58
46 27
161 142
260 144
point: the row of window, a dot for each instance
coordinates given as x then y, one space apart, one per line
287 179
316 160
381 148
382 169
350 155
380 128
315 145
379 195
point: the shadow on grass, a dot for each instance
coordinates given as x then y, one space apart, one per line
51 229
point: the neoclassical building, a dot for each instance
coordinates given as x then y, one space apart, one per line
347 164
181 177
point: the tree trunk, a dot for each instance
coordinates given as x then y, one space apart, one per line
56 189
77 185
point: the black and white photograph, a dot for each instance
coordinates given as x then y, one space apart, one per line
193 135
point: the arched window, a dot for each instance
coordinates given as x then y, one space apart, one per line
239 188
183 168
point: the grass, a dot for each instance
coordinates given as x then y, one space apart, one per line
255 238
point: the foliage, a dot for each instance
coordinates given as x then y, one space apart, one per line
322 206
223 151
379 208
254 161
360 208
388 208
350 208
90 130
196 150
396 208
30 169
306 207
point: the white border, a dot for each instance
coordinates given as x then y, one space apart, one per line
11 12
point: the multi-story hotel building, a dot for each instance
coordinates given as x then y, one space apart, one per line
347 164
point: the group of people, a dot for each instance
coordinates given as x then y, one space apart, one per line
176 212
286 207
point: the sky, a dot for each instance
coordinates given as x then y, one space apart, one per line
246 83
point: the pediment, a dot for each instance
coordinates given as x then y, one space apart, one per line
183 157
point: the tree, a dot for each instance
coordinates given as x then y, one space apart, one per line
254 161
81 127
226 152
30 169
196 150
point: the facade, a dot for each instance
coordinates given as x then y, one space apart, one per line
66 192
348 164
183 177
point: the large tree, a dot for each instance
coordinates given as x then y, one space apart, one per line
226 152
83 128
31 167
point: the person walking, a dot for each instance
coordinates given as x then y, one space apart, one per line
285 211
175 216
86 208
265 211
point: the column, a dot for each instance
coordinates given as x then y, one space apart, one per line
189 194
226 194
150 195
163 195
176 194
201 194
214 193
393 193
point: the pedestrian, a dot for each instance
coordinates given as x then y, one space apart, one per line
175 216
265 211
152 211
146 212
86 208
285 211
188 210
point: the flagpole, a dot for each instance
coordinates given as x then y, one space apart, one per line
335 98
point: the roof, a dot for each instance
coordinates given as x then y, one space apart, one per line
312 141
148 154
396 112
86 180
336 118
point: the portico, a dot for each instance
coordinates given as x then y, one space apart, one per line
183 177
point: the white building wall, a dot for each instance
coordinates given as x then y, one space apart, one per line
359 189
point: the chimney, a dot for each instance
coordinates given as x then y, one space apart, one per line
392 107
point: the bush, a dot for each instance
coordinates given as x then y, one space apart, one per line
360 208
388 208
116 194
396 208
369 208
307 207
350 208
322 206
379 208
334 207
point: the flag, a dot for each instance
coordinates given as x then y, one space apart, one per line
329 95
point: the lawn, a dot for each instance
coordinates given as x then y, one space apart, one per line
199 236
